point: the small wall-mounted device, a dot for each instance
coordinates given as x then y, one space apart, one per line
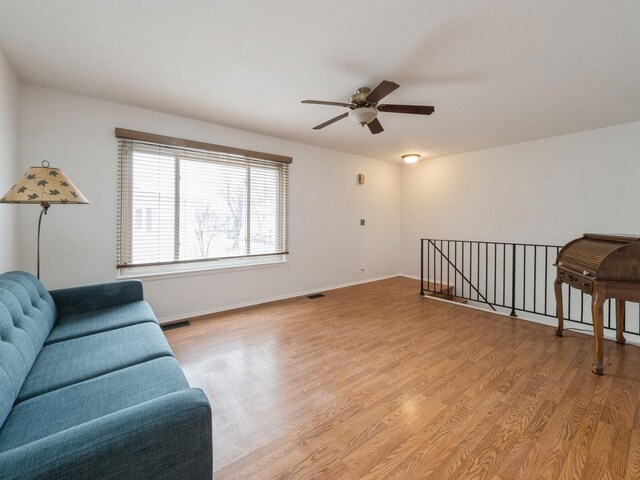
362 222
361 179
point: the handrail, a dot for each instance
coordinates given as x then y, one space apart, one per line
491 242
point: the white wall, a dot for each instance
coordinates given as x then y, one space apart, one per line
9 162
545 191
328 247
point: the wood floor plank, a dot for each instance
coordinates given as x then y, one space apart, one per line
633 464
373 381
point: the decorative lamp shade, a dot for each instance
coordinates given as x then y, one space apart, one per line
44 185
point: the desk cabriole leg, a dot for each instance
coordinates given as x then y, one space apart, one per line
620 314
557 286
597 303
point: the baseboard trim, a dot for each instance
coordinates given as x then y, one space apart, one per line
252 303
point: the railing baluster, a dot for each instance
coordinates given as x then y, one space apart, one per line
546 276
448 271
441 266
535 274
455 274
513 281
495 268
434 266
428 262
478 271
463 264
422 267
470 278
524 277
504 273
486 270
428 255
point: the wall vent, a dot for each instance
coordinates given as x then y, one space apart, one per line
171 326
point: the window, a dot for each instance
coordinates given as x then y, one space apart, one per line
187 205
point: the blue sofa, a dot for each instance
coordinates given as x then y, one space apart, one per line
89 388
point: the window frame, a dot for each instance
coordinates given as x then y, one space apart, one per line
189 150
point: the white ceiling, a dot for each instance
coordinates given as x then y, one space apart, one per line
497 71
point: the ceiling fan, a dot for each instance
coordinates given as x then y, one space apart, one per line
363 107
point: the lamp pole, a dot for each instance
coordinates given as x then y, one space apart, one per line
45 207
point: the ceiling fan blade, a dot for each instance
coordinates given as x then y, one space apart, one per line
321 102
416 109
375 126
382 90
333 120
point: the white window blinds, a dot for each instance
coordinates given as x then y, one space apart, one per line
181 205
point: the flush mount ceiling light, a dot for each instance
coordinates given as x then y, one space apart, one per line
411 158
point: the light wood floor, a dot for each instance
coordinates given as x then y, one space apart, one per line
373 381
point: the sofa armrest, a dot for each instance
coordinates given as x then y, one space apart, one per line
169 437
95 297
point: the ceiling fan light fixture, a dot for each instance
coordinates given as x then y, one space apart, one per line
411 158
363 115
364 105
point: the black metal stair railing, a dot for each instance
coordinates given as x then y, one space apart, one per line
517 277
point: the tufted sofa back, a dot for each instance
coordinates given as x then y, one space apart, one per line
27 315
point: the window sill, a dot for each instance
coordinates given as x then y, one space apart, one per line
154 274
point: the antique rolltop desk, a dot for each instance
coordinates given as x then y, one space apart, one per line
604 266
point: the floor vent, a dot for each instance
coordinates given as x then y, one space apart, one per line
316 295
171 326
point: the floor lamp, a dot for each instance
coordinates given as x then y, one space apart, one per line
43 186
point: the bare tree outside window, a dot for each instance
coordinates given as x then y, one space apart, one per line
207 225
236 201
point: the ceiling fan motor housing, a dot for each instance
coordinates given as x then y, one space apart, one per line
360 96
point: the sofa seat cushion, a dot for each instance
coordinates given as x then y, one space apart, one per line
82 402
87 323
71 361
